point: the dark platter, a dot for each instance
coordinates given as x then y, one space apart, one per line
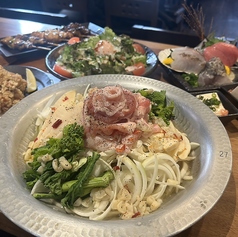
228 102
14 54
43 79
176 79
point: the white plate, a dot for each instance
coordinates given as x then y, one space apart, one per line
211 169
163 54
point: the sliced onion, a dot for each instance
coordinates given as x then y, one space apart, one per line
144 178
137 177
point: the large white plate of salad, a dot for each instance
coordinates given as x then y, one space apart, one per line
106 53
111 155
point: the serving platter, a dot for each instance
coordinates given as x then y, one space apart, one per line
16 54
51 57
176 78
211 169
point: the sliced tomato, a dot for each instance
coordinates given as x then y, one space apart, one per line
62 71
139 69
74 40
138 48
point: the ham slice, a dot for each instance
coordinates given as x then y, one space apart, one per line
112 118
228 53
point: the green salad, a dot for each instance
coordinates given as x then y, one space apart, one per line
106 53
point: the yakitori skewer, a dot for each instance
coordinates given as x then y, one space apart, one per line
17 43
49 37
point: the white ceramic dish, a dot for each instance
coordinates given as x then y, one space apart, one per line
211 170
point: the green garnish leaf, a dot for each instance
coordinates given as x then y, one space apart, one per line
191 79
159 108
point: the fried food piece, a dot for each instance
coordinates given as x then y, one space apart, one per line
12 88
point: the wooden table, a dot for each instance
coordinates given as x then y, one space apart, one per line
221 221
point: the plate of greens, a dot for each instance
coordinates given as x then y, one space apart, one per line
106 53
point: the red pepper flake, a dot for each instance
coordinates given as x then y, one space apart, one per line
116 167
127 188
65 98
57 123
36 139
53 109
120 148
136 214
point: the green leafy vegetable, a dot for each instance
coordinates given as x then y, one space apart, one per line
82 58
96 182
76 190
66 185
159 104
72 142
211 39
213 103
191 79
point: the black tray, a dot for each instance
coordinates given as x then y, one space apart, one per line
14 54
176 79
230 104
226 91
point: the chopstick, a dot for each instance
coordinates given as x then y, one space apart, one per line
41 47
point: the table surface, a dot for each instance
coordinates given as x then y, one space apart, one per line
221 220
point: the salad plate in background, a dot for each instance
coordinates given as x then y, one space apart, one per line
210 171
106 53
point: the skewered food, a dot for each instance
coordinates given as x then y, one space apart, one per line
48 37
20 44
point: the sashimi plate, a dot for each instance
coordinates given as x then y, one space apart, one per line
211 169
176 79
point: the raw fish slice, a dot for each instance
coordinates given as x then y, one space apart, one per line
228 53
213 74
187 60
